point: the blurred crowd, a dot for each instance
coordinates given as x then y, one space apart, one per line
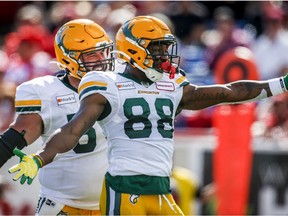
218 42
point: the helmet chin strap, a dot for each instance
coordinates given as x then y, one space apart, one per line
150 73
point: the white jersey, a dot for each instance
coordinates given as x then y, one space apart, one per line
73 178
140 124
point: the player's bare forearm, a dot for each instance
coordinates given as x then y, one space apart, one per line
31 125
22 132
199 97
65 138
62 140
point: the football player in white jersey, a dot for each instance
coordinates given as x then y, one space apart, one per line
136 110
44 104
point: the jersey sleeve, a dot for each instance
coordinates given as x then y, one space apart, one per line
27 100
181 80
98 82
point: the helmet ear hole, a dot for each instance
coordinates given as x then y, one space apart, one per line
66 62
132 51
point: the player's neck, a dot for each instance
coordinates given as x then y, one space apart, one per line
136 73
73 81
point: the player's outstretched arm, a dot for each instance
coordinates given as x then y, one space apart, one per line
200 97
65 138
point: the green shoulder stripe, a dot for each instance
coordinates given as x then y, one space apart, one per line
91 88
184 83
28 109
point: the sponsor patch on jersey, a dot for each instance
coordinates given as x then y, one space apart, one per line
125 85
165 86
148 92
65 99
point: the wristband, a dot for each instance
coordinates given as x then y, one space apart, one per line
38 159
277 86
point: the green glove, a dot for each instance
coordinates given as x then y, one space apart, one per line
28 167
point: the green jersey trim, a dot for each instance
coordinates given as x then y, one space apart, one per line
64 79
184 83
92 88
28 109
139 184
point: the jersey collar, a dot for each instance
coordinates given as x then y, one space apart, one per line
64 79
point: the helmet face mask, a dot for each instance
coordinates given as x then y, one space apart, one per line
137 41
160 51
107 63
79 37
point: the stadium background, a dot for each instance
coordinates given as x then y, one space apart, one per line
196 133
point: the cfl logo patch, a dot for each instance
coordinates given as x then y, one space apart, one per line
133 198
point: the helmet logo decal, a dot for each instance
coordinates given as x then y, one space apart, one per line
59 40
128 31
